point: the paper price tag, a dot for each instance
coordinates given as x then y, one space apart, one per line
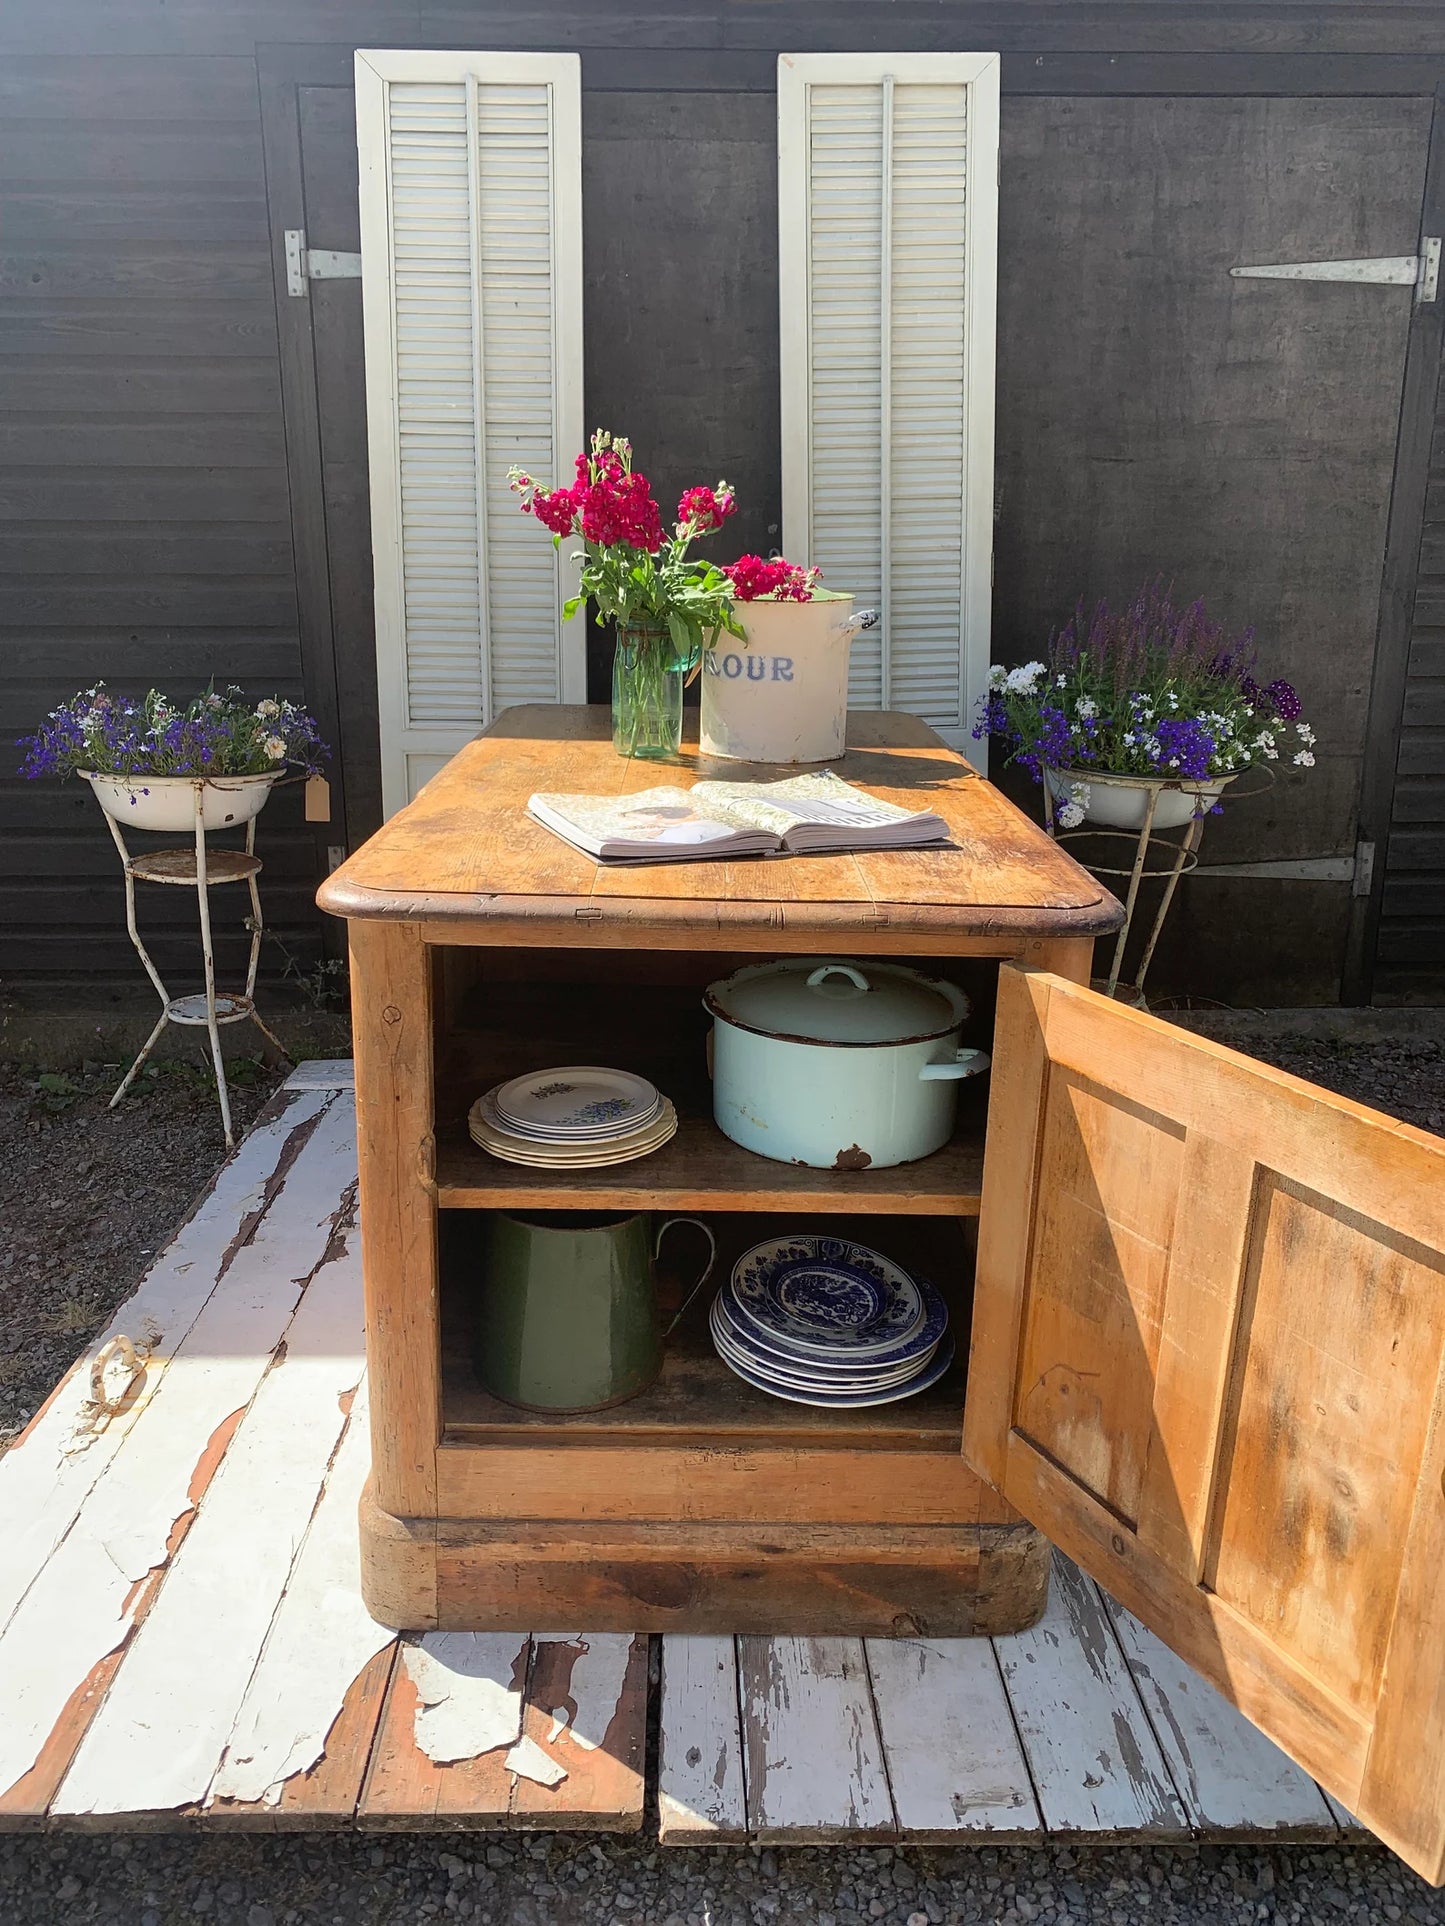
318 799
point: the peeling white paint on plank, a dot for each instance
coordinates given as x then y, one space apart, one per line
598 1676
319 1642
1092 1755
954 1760
77 1609
468 1691
323 1073
527 1760
1229 1775
700 1794
158 1738
41 1488
813 1759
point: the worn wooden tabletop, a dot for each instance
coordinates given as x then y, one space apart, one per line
466 851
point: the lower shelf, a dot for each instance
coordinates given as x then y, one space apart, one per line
697 1400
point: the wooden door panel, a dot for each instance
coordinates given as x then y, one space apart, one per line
1207 1360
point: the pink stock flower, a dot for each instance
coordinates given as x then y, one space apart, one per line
705 508
753 579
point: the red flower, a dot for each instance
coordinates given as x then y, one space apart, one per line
557 510
618 507
753 578
705 508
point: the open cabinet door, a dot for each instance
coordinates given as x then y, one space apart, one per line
1209 1325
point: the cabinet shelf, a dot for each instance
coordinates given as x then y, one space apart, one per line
697 1400
701 1169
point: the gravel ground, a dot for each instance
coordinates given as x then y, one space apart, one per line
558 1879
86 1195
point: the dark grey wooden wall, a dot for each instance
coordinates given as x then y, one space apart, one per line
1410 959
146 523
143 477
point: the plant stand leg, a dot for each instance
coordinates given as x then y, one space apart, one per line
1187 848
139 1064
133 931
1133 895
203 901
257 927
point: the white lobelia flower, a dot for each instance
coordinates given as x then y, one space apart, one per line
275 748
997 676
1068 815
1024 680
1305 734
1086 708
1304 760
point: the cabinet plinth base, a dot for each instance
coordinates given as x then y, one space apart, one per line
876 1581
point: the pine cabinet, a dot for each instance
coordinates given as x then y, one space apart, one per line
1206 1300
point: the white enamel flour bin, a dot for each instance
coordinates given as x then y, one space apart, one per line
781 696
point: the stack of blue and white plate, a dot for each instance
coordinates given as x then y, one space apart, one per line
821 1321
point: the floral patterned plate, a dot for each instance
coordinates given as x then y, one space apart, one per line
579 1101
904 1355
816 1374
851 1400
824 1296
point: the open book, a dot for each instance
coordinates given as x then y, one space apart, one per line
818 811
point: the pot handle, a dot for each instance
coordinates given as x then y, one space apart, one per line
816 978
707 1269
859 619
963 1063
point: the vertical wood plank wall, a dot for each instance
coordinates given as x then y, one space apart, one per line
145 520
1410 958
144 523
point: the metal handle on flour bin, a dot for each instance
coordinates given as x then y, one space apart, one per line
859 619
963 1063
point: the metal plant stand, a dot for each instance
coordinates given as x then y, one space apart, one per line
198 869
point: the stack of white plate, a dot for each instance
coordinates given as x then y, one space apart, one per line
821 1321
579 1117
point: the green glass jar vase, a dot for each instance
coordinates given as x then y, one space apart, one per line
647 684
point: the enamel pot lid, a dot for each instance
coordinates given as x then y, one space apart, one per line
815 999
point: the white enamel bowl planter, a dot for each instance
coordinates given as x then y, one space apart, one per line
1122 802
169 802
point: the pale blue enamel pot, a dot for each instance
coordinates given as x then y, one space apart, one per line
838 1065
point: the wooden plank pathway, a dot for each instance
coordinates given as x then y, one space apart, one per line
183 1643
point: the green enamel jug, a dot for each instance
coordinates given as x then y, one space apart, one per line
566 1315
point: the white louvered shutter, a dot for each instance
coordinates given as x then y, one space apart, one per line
888 227
471 248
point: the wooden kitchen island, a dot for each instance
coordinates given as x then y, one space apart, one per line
481 947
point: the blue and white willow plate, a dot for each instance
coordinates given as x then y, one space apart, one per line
813 1373
851 1400
905 1352
824 1296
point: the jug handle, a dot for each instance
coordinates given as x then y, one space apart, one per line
697 1224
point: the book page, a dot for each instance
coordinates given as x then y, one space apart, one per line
667 818
818 797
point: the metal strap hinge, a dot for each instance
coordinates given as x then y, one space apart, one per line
1418 271
304 264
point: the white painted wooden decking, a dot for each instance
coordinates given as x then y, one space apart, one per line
182 1640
